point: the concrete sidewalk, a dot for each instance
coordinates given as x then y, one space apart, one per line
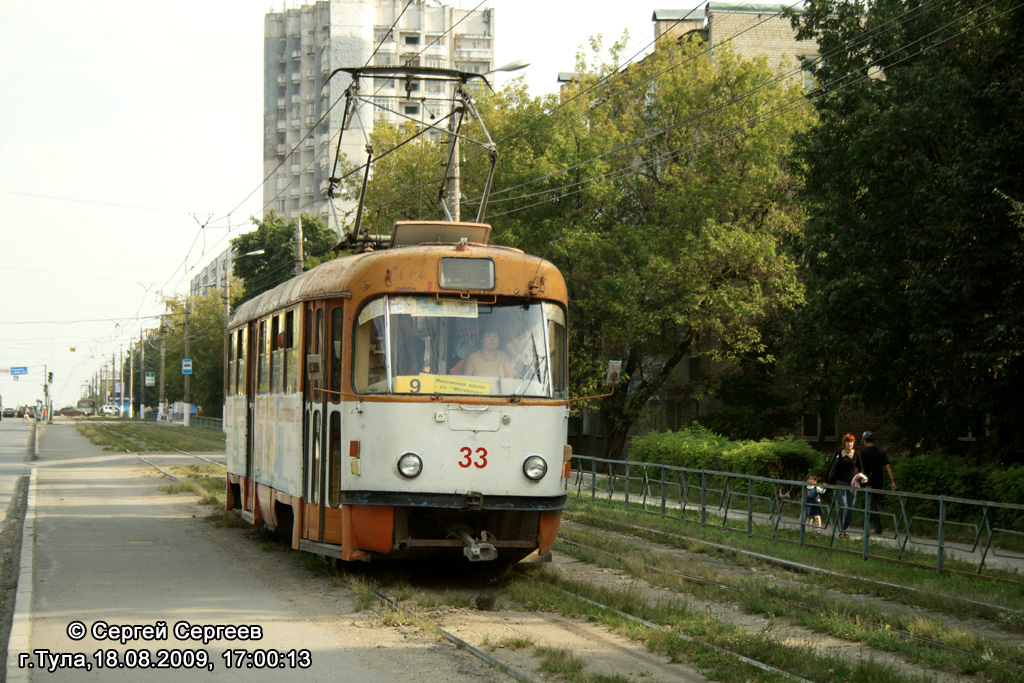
104 544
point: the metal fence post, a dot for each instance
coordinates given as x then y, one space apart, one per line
703 498
940 551
750 506
663 485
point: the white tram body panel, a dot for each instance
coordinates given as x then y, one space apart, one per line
464 448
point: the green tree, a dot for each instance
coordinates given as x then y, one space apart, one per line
206 349
912 257
658 191
276 237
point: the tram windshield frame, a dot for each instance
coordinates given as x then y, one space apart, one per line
422 344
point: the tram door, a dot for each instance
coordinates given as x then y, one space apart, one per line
251 340
314 399
332 426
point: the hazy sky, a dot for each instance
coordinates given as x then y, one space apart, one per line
126 124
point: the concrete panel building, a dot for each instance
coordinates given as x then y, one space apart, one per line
751 29
303 111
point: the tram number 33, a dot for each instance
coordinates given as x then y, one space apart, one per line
477 458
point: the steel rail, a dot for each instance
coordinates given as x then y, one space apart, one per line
458 642
937 644
688 639
811 569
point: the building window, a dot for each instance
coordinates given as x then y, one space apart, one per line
820 426
411 109
383 35
472 67
436 39
412 40
281 182
473 43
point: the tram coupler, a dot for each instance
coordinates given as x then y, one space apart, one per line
476 551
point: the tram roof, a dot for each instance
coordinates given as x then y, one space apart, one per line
337 278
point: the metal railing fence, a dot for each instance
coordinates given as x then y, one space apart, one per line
988 536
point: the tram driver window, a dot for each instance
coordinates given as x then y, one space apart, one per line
369 368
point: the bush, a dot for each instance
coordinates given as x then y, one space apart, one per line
700 448
956 477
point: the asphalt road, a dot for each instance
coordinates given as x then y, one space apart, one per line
15 437
106 546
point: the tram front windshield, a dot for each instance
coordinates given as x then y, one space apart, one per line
426 345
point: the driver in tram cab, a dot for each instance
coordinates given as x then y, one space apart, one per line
488 361
408 348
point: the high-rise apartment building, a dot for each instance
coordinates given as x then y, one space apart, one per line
302 113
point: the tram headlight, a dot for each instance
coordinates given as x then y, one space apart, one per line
410 465
535 468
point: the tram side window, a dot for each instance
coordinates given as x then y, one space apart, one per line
291 352
337 327
264 359
243 366
369 368
334 464
232 367
276 355
558 344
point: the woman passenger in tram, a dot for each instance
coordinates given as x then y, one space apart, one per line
488 361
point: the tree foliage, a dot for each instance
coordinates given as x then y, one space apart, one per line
912 257
276 237
658 191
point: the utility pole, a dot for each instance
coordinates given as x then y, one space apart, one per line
142 369
298 246
131 380
188 402
163 355
120 375
454 172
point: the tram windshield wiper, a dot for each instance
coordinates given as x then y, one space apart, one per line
531 372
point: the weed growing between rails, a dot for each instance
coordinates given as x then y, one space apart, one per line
971 596
835 614
151 437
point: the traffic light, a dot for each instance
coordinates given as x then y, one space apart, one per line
49 378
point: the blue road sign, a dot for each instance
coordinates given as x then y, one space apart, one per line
19 371
186 366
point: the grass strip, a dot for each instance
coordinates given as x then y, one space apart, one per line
541 589
812 608
934 588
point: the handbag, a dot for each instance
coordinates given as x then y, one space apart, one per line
831 478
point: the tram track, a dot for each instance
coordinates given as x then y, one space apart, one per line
525 632
961 643
810 609
811 569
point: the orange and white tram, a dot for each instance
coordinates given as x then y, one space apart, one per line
407 402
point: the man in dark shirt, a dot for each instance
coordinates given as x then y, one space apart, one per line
875 463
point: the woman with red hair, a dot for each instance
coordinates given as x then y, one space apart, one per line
846 465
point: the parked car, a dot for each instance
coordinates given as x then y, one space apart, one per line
109 410
9 412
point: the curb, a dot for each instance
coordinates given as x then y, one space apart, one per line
21 622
